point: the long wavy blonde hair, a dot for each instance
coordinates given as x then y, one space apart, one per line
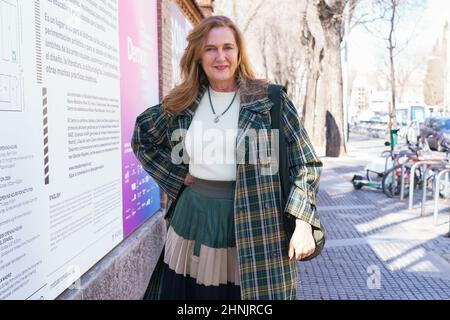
193 77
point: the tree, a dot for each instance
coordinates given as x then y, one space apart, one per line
244 20
323 22
273 44
389 13
406 69
283 66
304 54
434 84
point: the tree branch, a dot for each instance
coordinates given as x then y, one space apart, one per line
252 16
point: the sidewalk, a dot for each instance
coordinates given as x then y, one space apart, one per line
376 248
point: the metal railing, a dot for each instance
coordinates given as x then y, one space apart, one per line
402 185
424 164
437 190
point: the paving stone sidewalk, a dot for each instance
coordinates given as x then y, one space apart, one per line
376 248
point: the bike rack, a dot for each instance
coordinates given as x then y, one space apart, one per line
402 186
437 183
424 178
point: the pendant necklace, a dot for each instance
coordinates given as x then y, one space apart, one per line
217 118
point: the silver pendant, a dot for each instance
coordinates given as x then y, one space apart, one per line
216 120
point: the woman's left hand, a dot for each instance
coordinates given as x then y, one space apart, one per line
302 242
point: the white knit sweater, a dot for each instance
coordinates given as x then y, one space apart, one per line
212 146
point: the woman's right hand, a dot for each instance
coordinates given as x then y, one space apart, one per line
189 180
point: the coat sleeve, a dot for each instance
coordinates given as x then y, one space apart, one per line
150 146
304 166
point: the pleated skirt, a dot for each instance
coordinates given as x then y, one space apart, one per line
200 258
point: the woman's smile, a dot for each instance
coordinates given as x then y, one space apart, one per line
221 68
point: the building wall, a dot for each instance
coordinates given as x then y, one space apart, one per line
181 27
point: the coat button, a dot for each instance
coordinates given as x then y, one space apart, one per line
275 254
267 205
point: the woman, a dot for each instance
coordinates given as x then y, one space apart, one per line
225 238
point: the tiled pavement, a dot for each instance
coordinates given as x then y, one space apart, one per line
376 248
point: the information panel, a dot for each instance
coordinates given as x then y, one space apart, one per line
139 76
73 77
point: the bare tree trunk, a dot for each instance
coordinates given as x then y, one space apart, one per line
302 93
330 13
335 146
324 106
313 42
309 106
321 110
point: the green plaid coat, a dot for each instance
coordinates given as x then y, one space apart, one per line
262 245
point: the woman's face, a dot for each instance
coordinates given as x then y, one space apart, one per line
220 58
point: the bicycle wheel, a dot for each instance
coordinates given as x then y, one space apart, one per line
431 175
391 183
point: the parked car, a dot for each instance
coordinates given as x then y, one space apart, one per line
436 131
380 118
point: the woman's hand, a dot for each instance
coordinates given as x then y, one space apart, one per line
302 243
189 180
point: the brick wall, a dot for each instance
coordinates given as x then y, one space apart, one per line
194 14
165 47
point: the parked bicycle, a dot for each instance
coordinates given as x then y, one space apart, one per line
386 177
376 168
392 178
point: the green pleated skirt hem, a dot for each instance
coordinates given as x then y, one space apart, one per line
204 220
